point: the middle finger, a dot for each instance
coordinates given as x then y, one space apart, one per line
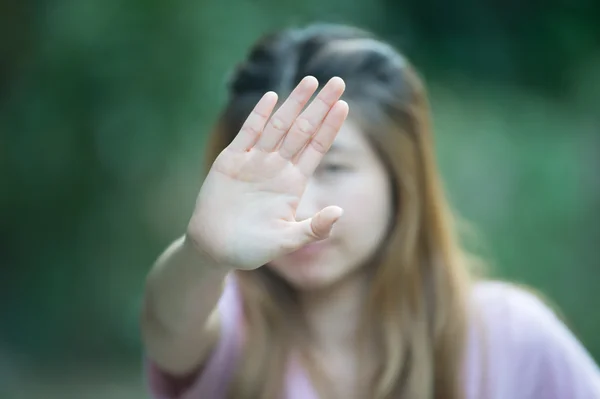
309 121
283 118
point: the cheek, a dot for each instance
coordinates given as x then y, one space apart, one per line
367 210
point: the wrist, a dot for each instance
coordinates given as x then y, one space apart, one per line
198 254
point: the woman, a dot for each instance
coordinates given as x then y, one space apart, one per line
343 275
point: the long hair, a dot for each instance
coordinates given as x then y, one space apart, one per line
418 307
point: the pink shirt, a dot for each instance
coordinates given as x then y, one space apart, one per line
525 351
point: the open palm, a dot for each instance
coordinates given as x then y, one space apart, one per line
245 212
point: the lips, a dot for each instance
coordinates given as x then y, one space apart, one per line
310 250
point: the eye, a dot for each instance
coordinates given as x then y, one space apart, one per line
332 167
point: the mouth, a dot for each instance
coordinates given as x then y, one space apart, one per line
311 250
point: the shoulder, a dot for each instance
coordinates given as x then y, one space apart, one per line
510 307
526 338
521 318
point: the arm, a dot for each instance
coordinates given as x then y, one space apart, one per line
179 321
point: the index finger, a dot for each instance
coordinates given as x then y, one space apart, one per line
319 144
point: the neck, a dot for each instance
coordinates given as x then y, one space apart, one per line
333 314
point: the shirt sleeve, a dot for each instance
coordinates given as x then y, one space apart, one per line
551 354
213 379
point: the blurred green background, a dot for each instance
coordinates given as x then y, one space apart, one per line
104 110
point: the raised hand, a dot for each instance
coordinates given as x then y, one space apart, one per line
245 211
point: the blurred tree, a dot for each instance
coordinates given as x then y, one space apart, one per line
533 44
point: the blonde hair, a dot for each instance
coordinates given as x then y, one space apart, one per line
418 308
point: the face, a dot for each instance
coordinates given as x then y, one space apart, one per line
351 176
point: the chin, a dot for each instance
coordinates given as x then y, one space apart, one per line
309 276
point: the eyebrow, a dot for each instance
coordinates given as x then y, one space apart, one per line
339 148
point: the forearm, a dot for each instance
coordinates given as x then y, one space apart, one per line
182 290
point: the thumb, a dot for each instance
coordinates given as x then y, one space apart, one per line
319 226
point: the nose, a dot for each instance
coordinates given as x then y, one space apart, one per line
308 205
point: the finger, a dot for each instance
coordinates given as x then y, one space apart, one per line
319 226
317 147
254 124
309 121
284 117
